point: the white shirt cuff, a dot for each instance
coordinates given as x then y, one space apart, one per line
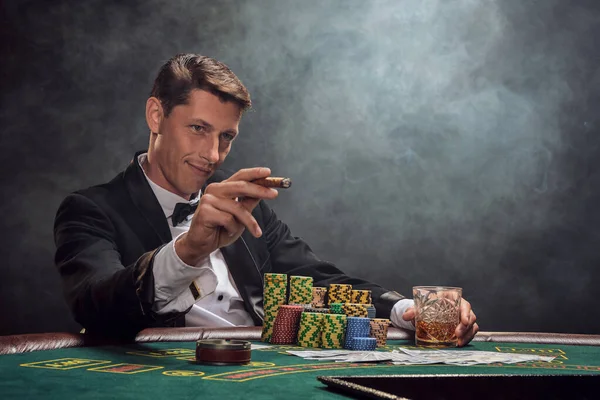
172 278
397 311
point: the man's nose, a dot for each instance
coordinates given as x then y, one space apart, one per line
212 154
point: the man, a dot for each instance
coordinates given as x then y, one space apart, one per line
133 253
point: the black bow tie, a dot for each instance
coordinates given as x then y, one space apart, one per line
182 210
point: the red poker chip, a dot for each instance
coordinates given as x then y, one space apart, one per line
290 307
287 323
283 339
283 336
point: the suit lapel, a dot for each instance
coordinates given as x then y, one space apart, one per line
144 199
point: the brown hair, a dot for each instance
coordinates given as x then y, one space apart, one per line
185 72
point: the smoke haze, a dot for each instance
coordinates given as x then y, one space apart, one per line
430 142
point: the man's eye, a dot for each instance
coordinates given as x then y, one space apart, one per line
198 128
228 137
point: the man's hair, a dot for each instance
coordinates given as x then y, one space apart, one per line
185 72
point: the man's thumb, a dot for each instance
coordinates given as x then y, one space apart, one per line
409 314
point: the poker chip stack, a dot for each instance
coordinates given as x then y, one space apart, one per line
274 295
355 310
339 293
309 334
360 296
371 311
332 331
364 344
349 322
305 306
301 290
356 327
316 310
287 322
319 296
336 308
379 330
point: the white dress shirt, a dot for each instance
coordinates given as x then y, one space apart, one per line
220 303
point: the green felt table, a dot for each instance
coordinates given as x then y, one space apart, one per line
163 370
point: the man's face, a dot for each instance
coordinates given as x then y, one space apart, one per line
194 140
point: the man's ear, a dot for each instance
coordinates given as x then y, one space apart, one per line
154 114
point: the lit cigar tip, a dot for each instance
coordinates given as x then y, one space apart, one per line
286 183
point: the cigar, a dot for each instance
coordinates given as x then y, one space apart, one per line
274 182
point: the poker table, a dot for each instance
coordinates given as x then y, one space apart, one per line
160 364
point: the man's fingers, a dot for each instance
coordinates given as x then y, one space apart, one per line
468 335
460 330
472 318
463 327
465 311
249 203
239 188
250 174
237 213
409 314
213 218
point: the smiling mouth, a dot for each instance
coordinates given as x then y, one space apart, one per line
200 170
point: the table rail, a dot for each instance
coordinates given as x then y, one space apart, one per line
24 343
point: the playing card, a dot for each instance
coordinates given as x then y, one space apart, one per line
404 356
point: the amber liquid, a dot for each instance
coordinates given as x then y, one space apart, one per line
435 334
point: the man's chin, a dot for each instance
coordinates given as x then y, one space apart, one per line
192 191
198 184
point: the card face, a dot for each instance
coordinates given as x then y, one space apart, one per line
65 363
124 368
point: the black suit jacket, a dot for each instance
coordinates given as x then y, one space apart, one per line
106 238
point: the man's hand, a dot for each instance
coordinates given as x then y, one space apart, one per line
466 329
223 213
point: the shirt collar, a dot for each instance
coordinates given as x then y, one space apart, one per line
166 199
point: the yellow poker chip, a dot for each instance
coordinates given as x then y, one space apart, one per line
361 296
300 290
274 295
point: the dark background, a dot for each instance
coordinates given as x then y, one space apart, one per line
430 142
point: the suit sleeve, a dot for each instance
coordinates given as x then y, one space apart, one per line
291 255
105 296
